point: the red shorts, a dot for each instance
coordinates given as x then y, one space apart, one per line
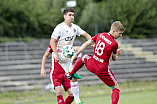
57 75
60 79
101 71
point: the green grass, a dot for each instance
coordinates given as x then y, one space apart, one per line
144 97
131 93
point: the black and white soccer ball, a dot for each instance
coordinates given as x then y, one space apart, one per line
68 51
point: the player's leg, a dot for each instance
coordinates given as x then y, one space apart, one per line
59 93
75 90
79 64
115 94
72 66
57 80
70 98
57 86
115 89
75 86
67 87
106 75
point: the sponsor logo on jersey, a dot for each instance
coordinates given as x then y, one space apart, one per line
69 38
104 38
74 30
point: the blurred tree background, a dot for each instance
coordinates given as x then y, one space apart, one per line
38 18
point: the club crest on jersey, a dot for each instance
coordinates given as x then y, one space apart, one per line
74 30
69 38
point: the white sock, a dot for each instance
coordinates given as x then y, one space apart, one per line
71 67
75 91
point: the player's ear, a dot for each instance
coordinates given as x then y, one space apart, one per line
113 31
64 16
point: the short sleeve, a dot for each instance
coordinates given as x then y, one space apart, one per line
49 49
56 32
95 37
115 47
79 31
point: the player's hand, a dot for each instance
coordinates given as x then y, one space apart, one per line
119 51
69 76
43 73
93 45
57 58
74 59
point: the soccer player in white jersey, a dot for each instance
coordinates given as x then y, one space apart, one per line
65 34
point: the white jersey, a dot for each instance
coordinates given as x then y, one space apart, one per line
66 35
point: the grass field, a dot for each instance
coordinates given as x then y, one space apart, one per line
131 93
145 97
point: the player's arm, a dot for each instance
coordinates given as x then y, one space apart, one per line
82 48
43 72
115 56
53 46
88 37
76 48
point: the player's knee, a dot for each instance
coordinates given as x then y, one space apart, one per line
69 91
84 57
114 87
73 79
58 89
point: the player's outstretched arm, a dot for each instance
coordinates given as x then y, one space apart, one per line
82 48
43 72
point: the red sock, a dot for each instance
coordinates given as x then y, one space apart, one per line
115 96
69 99
60 99
77 66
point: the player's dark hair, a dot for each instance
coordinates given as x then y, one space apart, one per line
68 10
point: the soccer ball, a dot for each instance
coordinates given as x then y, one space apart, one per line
68 51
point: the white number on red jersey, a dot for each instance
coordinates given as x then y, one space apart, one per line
99 48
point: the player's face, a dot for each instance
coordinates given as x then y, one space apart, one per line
118 34
69 17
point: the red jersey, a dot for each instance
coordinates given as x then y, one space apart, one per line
56 68
105 45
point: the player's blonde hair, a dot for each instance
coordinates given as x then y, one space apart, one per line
117 26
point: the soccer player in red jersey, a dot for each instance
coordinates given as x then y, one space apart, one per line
57 76
98 63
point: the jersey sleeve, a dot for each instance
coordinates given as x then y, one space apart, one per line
80 31
49 49
95 37
56 33
115 47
